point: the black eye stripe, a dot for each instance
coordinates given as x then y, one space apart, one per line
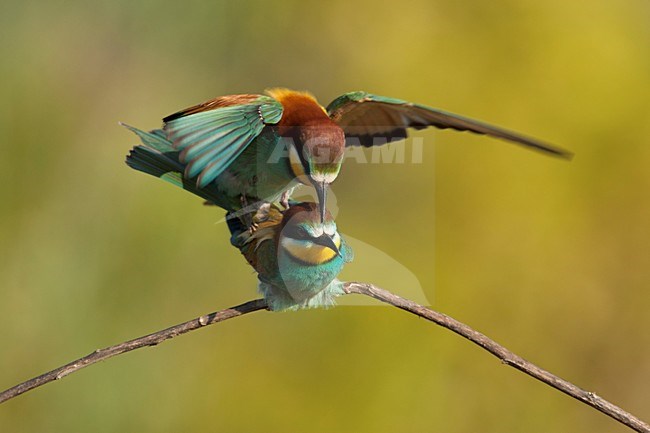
296 232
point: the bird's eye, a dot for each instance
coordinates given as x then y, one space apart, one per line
302 233
297 232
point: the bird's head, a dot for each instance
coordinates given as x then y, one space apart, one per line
308 239
322 146
318 141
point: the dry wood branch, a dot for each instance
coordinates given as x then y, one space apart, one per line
506 356
127 346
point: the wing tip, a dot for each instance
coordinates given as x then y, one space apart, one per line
555 151
566 155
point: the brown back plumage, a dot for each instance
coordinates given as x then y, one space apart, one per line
221 101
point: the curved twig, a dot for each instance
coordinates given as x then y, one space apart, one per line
506 356
127 346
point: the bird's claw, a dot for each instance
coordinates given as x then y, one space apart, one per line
284 199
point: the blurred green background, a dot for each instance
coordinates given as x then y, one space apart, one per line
550 258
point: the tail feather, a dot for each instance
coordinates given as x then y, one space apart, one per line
166 167
159 158
156 163
155 139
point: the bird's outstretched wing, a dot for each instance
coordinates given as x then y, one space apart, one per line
211 135
372 120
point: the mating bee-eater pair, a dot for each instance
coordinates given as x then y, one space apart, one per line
241 152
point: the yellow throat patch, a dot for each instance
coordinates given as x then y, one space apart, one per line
312 254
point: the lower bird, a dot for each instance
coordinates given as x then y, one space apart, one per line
296 255
249 148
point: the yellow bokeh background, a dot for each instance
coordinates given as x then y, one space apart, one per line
550 258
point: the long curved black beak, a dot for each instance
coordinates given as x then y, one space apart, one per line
321 192
326 241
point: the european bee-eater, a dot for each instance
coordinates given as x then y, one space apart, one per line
296 255
243 148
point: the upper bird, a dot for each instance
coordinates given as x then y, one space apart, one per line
256 148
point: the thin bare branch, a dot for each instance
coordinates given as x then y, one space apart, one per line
506 356
127 346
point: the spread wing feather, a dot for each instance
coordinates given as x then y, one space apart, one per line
210 136
374 120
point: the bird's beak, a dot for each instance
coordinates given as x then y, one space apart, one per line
326 241
321 191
